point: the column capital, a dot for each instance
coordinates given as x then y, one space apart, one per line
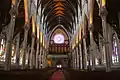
91 27
33 35
13 11
37 40
26 26
103 11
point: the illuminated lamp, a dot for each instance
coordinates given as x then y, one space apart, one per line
33 25
59 8
38 30
59 15
59 4
41 38
80 34
13 2
59 12
91 11
43 41
26 11
76 38
103 2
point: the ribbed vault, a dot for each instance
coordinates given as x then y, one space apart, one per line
61 12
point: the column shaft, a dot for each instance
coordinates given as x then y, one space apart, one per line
40 57
37 52
80 56
77 57
24 47
9 41
73 60
92 50
31 53
106 41
85 54
101 49
28 57
18 50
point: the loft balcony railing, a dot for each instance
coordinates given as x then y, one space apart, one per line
59 48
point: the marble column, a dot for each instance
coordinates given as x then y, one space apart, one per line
17 52
80 56
110 34
85 54
31 53
40 57
73 61
92 48
44 58
37 52
33 59
103 12
26 29
9 39
77 57
28 53
101 49
41 54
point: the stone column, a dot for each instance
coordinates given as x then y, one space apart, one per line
37 52
33 59
9 39
31 53
77 57
106 40
109 32
85 54
42 54
40 57
18 50
92 48
101 49
44 58
26 29
28 53
80 56
73 61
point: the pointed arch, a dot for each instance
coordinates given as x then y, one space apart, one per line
59 27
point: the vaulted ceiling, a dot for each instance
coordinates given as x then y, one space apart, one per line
59 12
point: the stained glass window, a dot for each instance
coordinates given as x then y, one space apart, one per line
115 51
58 39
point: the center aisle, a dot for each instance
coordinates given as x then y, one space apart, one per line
58 75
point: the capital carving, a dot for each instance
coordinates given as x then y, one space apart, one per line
103 11
91 27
